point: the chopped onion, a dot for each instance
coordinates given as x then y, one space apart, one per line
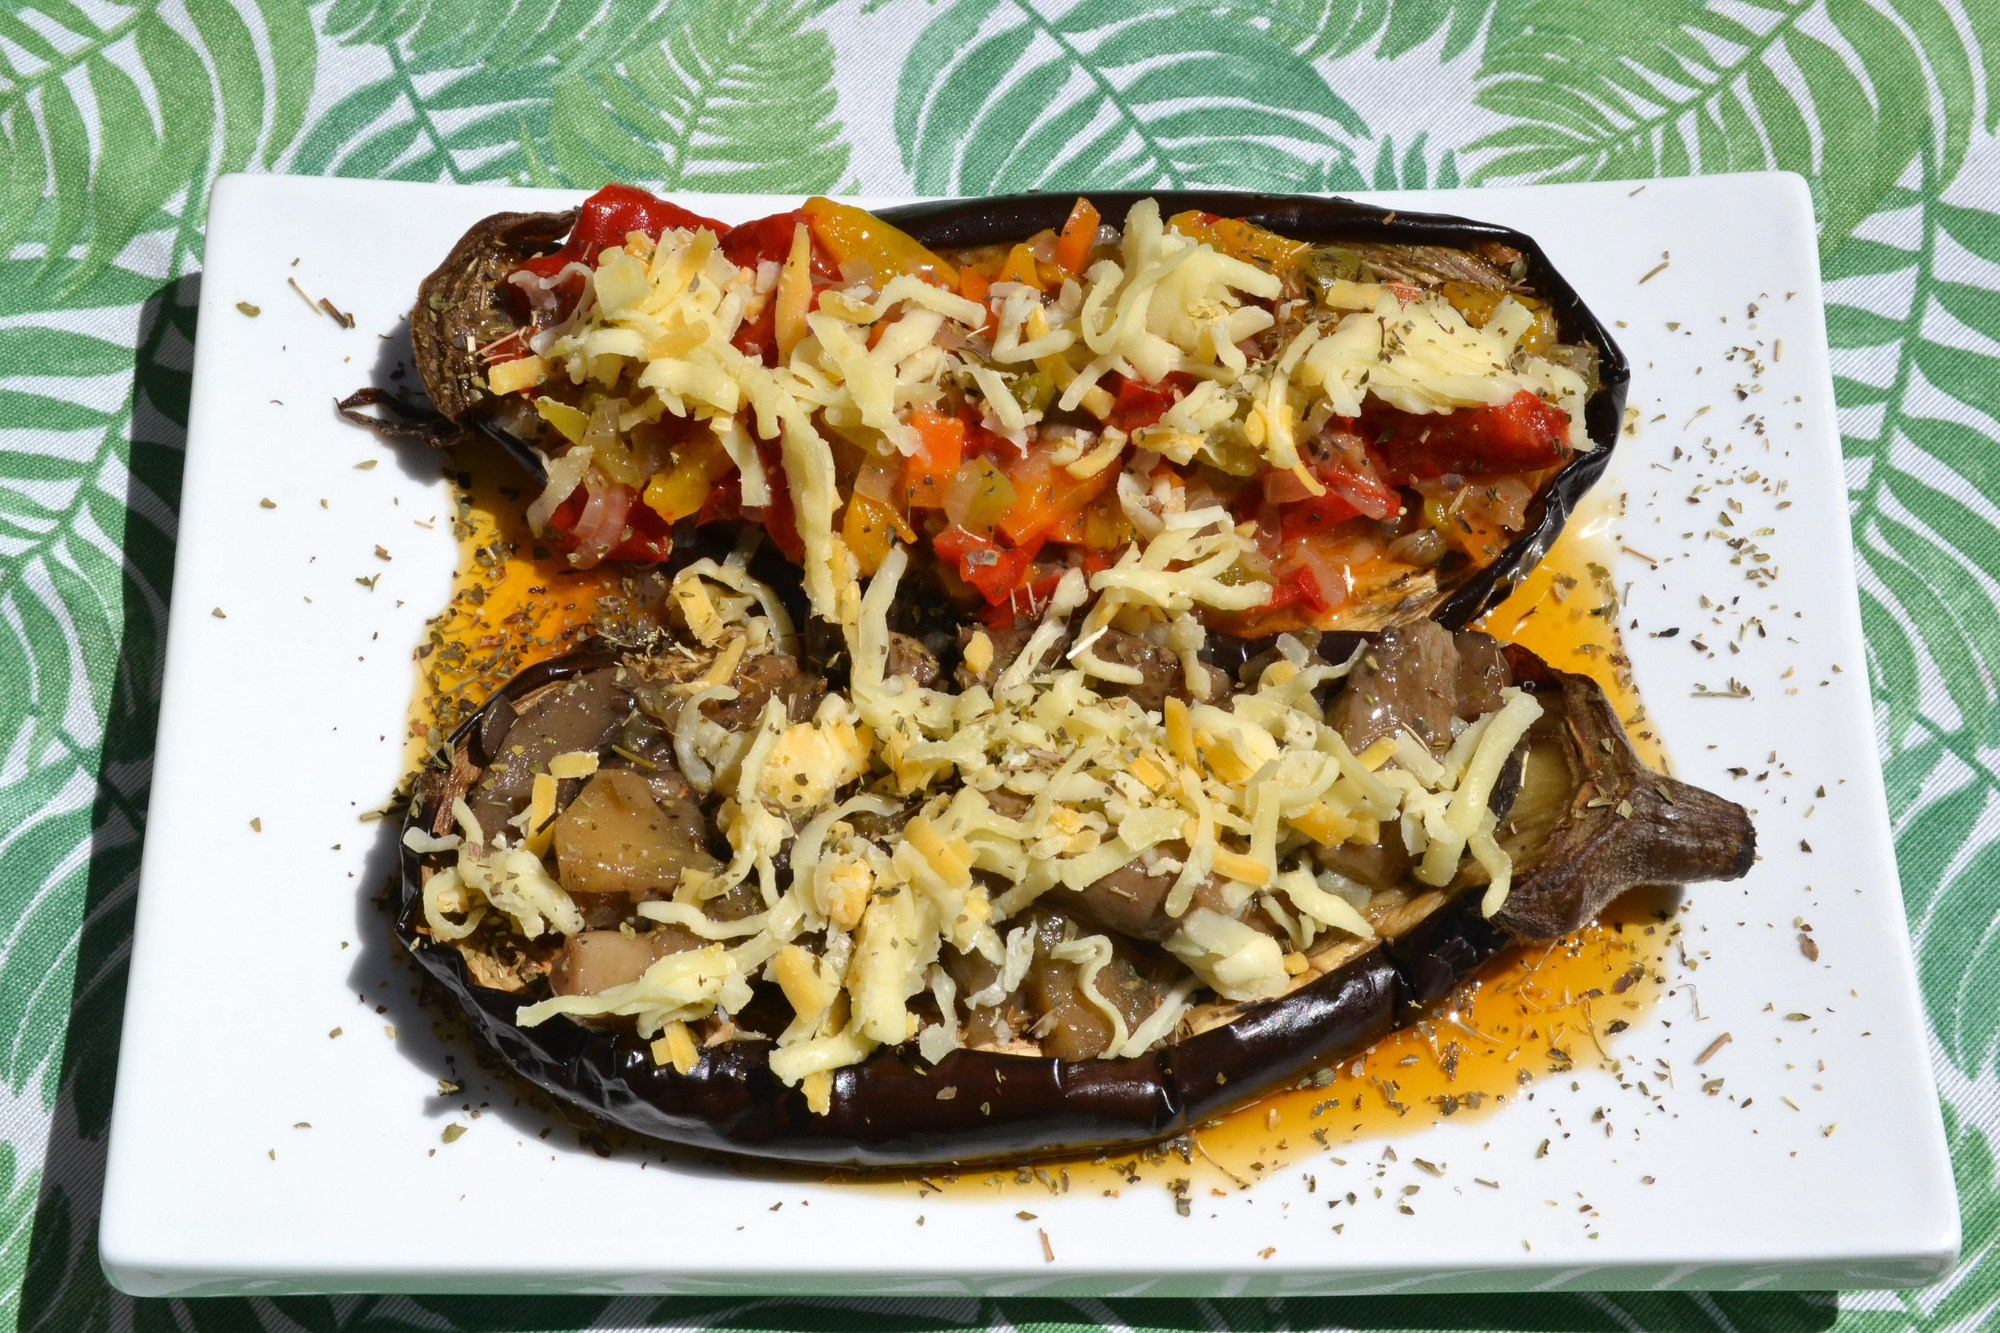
1509 504
565 475
1372 501
879 478
602 524
1425 546
1284 488
1331 581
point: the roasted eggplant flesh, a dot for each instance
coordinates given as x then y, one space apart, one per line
707 888
1405 406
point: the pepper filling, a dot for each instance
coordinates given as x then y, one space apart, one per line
1374 419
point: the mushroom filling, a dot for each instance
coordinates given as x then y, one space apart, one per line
1080 840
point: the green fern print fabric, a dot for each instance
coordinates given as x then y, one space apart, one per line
116 115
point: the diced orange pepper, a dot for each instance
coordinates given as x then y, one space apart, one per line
1020 267
1078 234
870 528
1046 494
1105 527
850 233
940 449
1069 528
698 463
976 287
1239 239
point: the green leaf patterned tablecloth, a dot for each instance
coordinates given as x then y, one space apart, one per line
115 117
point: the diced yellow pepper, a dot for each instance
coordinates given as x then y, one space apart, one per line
570 421
1477 304
853 234
870 529
1020 267
698 463
677 494
1105 527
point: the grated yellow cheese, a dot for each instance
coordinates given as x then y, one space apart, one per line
1107 782
676 1047
574 764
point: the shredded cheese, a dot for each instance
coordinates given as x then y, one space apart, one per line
1229 798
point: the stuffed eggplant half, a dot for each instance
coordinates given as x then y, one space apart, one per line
843 894
1401 408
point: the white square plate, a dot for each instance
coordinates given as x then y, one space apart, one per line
288 709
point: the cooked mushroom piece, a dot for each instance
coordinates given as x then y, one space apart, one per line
595 961
1080 971
566 718
1406 681
617 838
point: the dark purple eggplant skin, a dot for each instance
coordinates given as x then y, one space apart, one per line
464 298
505 240
953 223
885 1112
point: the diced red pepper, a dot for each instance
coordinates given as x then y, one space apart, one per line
650 538
1025 603
1140 404
778 517
724 503
749 244
1314 514
1523 434
1364 491
997 571
609 215
981 442
1300 585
